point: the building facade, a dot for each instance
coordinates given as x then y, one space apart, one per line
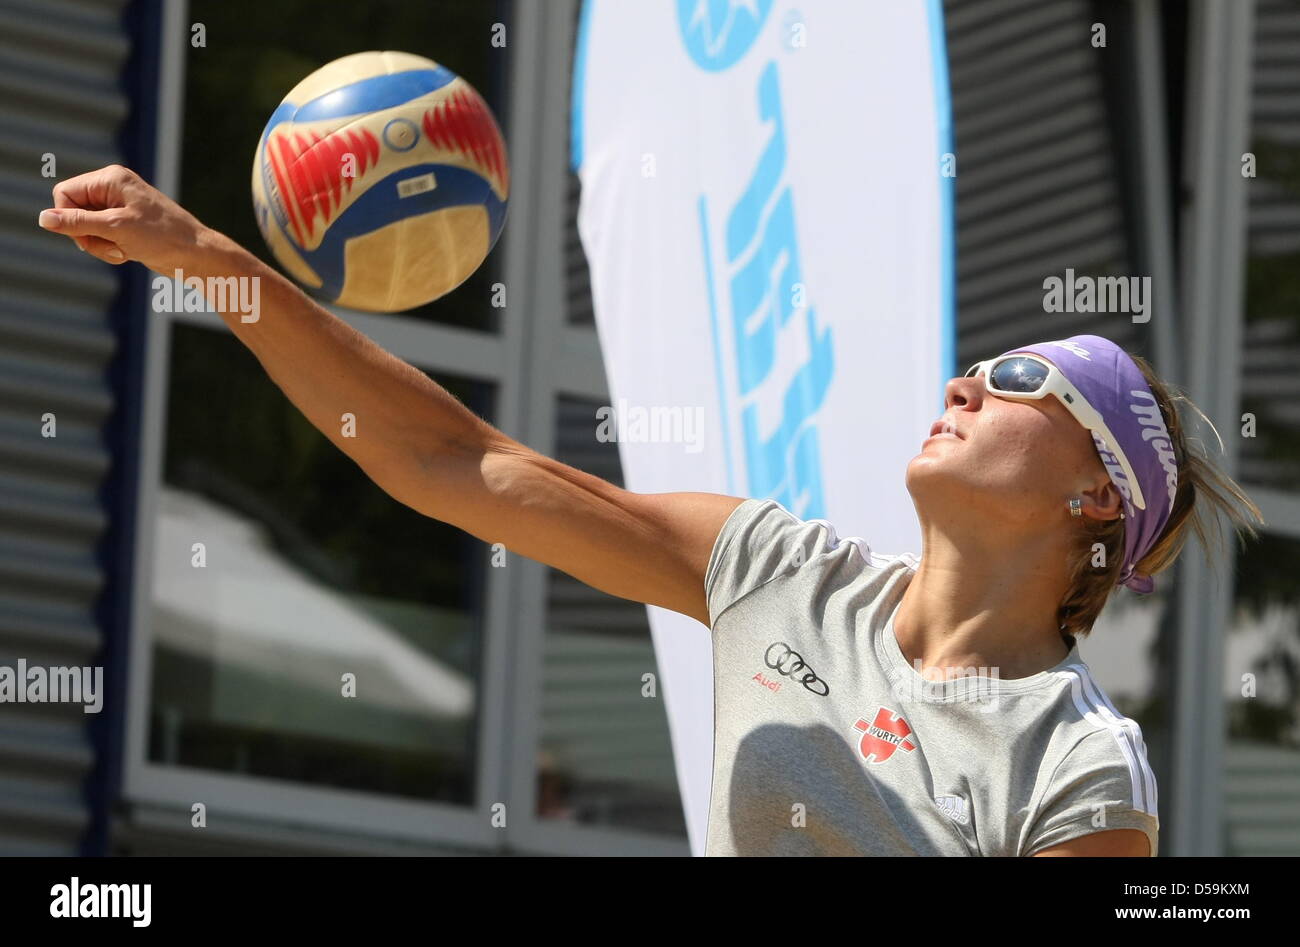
499 703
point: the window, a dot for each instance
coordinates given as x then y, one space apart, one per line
309 579
311 576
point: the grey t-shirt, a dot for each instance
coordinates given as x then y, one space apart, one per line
828 742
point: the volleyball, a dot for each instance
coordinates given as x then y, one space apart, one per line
380 182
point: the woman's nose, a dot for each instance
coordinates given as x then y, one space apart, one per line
963 391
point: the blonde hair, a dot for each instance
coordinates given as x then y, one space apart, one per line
1203 493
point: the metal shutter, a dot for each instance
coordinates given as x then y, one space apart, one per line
1036 172
1260 787
60 71
580 310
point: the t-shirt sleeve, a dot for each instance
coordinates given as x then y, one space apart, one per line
1101 784
760 541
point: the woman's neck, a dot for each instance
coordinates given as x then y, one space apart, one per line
951 618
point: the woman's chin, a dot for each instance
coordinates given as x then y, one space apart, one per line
924 470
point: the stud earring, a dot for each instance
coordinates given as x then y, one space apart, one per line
1076 507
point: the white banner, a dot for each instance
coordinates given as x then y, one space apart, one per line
767 213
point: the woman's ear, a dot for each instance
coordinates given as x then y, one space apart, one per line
1102 502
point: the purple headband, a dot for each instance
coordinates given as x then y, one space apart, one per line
1114 385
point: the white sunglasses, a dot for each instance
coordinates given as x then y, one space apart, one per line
1027 377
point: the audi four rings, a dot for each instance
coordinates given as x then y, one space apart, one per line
787 662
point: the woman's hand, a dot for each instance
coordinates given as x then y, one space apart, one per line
115 215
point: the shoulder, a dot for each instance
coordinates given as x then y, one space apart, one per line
1101 735
759 521
762 541
1101 777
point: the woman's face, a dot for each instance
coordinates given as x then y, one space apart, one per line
1015 460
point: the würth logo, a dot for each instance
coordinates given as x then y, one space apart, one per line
880 738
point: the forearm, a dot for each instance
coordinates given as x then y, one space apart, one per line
391 418
412 437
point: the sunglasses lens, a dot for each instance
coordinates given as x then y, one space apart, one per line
1019 375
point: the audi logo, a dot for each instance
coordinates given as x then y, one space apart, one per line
787 662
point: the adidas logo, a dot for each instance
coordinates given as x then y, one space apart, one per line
954 807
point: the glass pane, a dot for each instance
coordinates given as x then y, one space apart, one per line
606 757
234 84
312 573
1261 780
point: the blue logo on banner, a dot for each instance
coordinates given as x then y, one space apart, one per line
763 274
717 33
